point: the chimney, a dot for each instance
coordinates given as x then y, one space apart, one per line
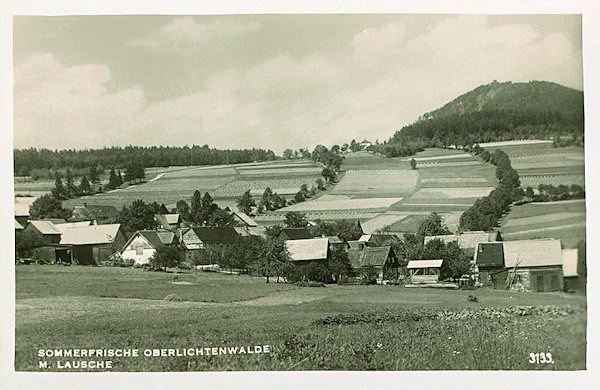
94 222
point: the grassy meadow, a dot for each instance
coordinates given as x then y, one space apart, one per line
320 328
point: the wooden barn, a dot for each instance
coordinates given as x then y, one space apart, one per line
168 221
534 265
93 244
379 239
381 258
489 265
144 244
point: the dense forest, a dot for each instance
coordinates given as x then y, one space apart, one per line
26 160
494 112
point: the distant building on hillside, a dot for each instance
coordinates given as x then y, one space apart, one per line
100 213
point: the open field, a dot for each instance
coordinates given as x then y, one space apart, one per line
381 221
279 184
564 220
377 181
451 193
343 204
367 160
335 327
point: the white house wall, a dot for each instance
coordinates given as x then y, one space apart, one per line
131 251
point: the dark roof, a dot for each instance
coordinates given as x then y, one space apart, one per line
157 239
89 212
490 254
374 256
379 239
216 235
296 233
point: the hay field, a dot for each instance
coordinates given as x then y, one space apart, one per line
376 182
382 221
283 186
327 328
564 220
342 204
451 193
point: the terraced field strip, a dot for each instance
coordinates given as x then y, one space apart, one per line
440 157
278 172
347 204
545 229
543 218
516 143
448 164
381 221
451 193
323 216
544 161
374 181
258 186
566 179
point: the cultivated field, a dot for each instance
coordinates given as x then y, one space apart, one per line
223 182
327 328
343 204
564 220
374 182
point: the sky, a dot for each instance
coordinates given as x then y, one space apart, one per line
268 81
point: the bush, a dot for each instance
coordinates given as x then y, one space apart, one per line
368 274
309 283
184 265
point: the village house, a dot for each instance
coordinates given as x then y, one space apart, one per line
46 229
18 227
144 244
21 213
379 239
168 221
100 213
243 220
467 240
196 238
382 259
304 252
294 234
489 265
336 243
534 265
574 268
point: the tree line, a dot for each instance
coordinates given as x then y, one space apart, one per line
486 211
26 160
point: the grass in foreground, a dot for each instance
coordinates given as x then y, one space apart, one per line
331 328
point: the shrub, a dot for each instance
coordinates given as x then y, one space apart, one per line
309 283
184 265
368 274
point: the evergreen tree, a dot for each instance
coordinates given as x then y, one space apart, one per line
84 186
112 179
70 188
119 178
196 207
59 191
94 177
245 203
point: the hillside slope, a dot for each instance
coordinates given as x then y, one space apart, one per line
494 112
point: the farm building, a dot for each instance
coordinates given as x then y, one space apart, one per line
202 237
336 242
574 268
467 240
489 264
99 213
18 226
144 243
379 239
381 258
424 271
21 212
168 221
294 234
93 244
46 230
243 220
307 251
534 265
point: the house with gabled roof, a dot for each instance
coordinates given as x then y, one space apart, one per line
168 221
46 229
489 264
379 239
294 234
144 244
306 251
99 213
467 240
204 236
381 258
534 265
241 219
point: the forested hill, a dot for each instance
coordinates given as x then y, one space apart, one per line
494 112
